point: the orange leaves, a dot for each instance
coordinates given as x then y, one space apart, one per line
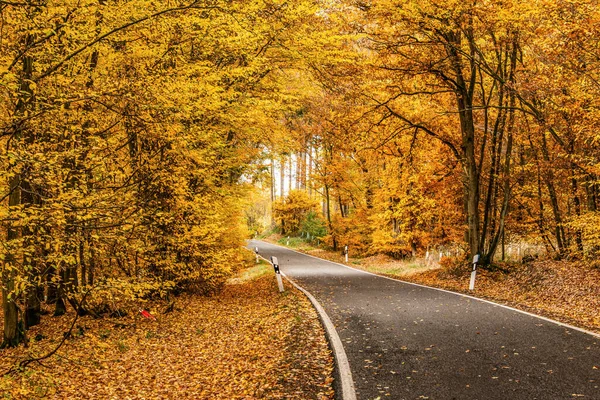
249 342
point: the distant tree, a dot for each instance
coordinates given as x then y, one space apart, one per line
292 211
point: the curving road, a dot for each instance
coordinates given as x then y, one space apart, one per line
410 342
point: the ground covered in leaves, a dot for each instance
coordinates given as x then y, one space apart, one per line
249 342
562 290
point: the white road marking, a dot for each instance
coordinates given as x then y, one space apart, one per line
451 292
346 381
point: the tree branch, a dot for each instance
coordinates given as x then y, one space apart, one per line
56 66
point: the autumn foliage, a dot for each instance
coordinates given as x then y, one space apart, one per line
130 132
457 126
293 211
133 133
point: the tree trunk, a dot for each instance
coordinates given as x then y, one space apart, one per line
12 333
92 263
291 177
32 314
577 206
82 264
309 173
33 309
548 179
471 176
464 103
329 223
51 289
282 177
60 307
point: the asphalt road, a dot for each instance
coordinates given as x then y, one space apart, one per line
409 342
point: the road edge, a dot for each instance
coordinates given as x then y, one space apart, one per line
564 325
339 354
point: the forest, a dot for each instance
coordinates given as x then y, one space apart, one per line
142 141
466 128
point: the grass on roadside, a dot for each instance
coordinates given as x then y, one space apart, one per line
257 271
293 242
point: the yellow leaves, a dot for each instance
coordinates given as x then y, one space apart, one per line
293 210
136 144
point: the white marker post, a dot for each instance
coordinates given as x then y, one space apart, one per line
256 253
474 272
288 241
346 252
277 273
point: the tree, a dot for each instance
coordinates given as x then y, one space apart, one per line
129 131
293 210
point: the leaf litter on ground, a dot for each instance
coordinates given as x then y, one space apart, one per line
248 342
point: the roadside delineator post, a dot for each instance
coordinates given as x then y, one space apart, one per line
346 252
288 241
277 272
256 253
474 272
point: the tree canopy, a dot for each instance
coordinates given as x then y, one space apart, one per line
133 133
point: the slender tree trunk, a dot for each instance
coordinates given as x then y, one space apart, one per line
291 177
503 245
282 177
310 168
272 180
92 263
548 179
82 264
472 181
506 174
51 288
12 331
304 167
329 223
547 242
300 170
577 206
272 184
464 102
33 307
60 307
32 313
590 189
